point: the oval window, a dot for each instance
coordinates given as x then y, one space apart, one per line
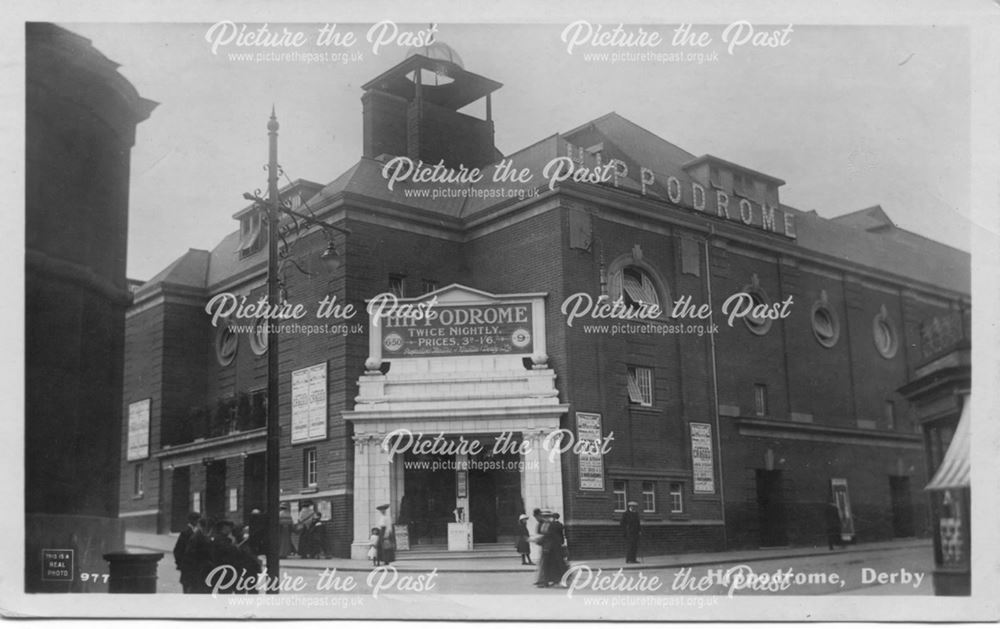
825 326
226 344
258 337
884 333
757 325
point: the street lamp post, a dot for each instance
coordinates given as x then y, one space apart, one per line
272 490
275 258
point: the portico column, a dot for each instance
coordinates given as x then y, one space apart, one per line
533 483
372 473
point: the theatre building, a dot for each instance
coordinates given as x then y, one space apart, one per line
655 327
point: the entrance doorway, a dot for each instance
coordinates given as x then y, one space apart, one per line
428 497
215 489
180 498
253 485
771 508
902 506
494 497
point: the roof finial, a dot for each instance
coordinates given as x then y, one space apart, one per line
272 124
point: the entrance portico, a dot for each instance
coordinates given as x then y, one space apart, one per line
486 385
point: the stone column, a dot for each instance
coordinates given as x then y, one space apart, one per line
372 474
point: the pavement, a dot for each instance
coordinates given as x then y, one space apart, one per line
151 542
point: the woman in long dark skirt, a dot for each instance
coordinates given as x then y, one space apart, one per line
555 562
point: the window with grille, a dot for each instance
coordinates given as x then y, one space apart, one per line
309 472
676 498
137 481
640 385
760 399
620 489
396 285
649 496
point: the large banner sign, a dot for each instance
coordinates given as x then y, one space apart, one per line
459 330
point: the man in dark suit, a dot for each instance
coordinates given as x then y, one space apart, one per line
182 560
632 529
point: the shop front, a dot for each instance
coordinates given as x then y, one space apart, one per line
454 421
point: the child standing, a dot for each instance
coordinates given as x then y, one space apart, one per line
373 546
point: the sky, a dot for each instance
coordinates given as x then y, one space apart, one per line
848 116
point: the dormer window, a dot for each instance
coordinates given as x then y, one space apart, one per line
743 185
253 235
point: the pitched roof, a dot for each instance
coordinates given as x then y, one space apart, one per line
866 237
188 270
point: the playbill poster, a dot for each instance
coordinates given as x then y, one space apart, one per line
575 311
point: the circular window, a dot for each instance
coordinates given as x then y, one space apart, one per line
884 333
756 324
826 327
258 337
226 343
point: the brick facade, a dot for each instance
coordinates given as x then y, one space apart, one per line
781 405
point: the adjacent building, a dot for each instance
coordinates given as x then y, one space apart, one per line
728 430
81 118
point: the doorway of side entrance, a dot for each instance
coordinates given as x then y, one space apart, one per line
771 508
902 506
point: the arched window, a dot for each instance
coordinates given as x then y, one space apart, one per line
637 287
636 283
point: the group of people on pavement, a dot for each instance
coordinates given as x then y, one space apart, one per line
308 528
204 545
550 535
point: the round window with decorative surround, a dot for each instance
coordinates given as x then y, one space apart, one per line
825 325
226 344
258 337
758 325
884 333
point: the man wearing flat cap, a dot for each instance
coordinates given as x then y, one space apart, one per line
632 529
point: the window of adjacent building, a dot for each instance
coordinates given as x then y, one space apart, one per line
226 344
640 385
429 286
884 333
234 499
396 285
648 496
258 337
760 399
825 325
253 234
890 414
637 287
309 471
620 489
676 498
137 480
196 501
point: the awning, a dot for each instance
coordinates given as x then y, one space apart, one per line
954 470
